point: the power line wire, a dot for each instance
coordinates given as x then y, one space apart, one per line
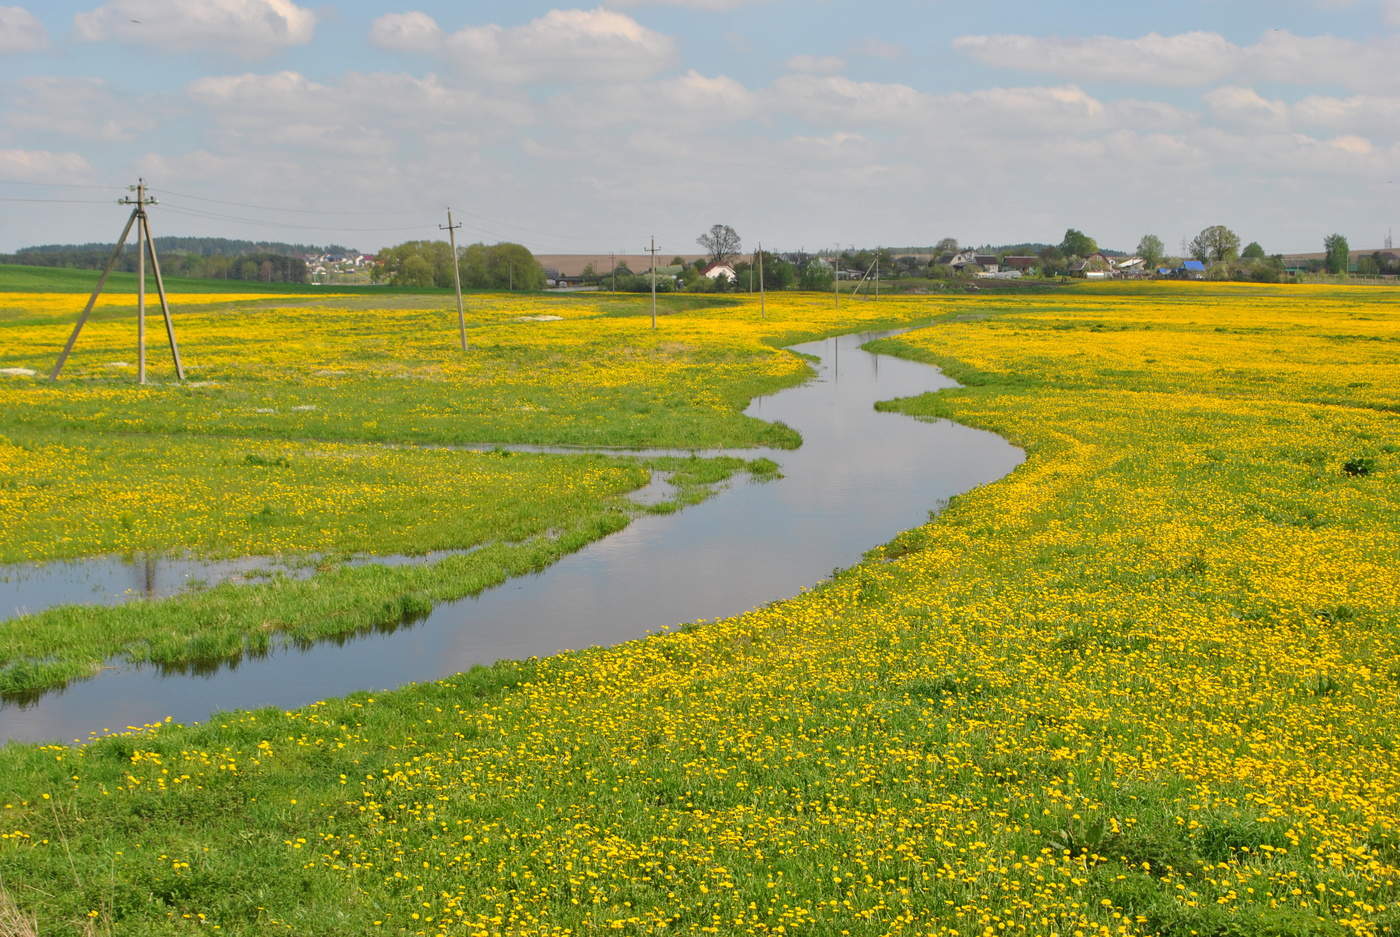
219 216
551 240
299 211
60 185
195 213
66 201
524 231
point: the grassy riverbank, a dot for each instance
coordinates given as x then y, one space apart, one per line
570 502
1147 684
289 441
575 369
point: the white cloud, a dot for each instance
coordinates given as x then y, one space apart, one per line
1312 60
562 45
816 64
1067 107
395 141
43 166
243 27
721 96
362 113
1154 116
691 99
1187 59
1369 113
1353 145
77 107
715 5
281 91
835 99
880 49
407 32
573 155
835 146
1391 11
1195 58
1153 152
1246 108
20 31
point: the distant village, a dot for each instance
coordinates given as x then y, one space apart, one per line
565 271
343 268
514 267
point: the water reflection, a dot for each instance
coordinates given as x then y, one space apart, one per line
860 477
30 588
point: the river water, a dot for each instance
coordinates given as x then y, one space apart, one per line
859 478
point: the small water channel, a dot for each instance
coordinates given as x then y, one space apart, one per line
29 588
860 477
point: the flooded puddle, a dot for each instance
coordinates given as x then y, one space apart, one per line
860 478
29 588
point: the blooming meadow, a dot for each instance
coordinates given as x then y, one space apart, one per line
1146 685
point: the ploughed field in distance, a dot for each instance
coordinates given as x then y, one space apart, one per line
1146 684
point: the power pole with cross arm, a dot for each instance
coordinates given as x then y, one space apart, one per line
145 248
451 230
652 251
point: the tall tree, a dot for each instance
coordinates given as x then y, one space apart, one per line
431 264
1254 251
721 242
415 270
1078 244
778 274
1215 245
501 266
1151 249
1052 261
946 246
815 276
1338 253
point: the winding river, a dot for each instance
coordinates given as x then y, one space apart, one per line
860 477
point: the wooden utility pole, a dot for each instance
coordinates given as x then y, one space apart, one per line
451 230
836 277
145 245
762 294
877 277
652 251
140 290
864 277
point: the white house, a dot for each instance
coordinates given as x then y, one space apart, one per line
715 271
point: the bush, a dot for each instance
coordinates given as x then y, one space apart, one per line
641 283
1359 466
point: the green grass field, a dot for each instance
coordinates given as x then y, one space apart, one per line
29 279
293 440
1146 685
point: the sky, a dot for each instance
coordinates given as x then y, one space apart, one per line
803 124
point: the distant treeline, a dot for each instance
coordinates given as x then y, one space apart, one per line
211 258
481 267
947 245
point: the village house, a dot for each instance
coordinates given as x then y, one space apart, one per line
960 261
1096 266
715 271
